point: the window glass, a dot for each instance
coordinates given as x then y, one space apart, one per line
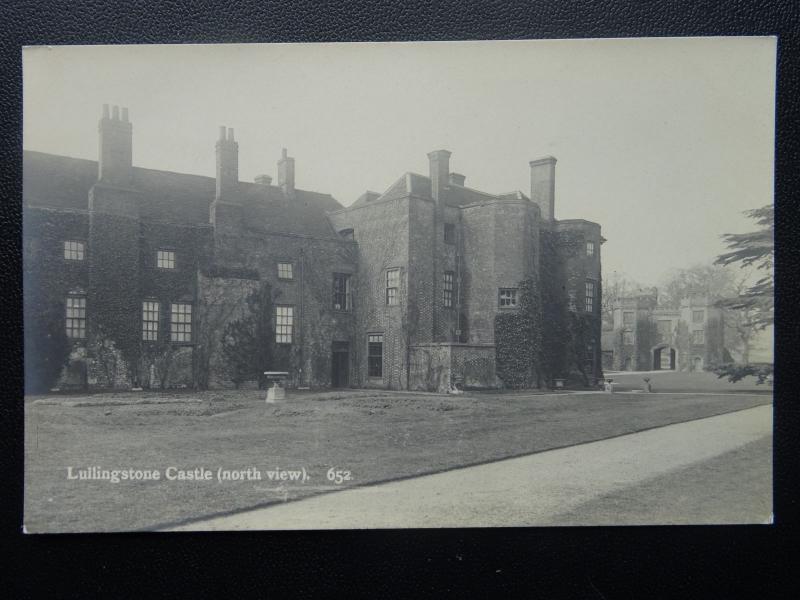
508 297
589 296
375 354
284 324
341 292
165 259
76 317
285 270
392 285
180 322
150 320
447 289
74 250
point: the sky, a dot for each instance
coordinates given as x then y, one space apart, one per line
663 141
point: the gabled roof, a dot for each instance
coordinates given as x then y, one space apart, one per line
62 182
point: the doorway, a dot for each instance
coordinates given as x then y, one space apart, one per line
340 364
664 359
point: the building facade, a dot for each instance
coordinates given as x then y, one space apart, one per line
648 337
144 269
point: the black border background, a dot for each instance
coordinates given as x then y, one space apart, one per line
573 562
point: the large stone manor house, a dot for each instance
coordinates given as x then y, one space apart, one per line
144 268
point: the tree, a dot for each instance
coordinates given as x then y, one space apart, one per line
615 287
712 280
47 348
248 343
755 249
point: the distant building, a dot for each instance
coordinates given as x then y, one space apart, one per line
144 268
647 337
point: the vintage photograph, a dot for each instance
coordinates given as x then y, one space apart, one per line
398 285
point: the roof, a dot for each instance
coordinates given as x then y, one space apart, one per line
62 182
414 184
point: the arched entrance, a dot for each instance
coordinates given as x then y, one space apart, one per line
664 358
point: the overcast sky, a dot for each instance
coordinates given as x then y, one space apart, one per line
663 141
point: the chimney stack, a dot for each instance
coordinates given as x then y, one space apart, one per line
286 173
115 164
227 162
543 185
457 179
263 180
439 161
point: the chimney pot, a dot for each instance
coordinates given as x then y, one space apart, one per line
263 180
222 132
230 134
286 173
125 113
115 113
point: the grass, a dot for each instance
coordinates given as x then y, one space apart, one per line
377 436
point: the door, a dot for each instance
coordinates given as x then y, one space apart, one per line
340 364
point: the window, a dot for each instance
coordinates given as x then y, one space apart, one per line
447 289
342 298
508 297
392 284
589 248
664 327
76 317
571 302
698 316
627 338
449 233
180 323
627 318
699 336
284 324
165 259
285 270
375 354
150 320
590 296
74 250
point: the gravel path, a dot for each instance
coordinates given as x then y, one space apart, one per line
538 489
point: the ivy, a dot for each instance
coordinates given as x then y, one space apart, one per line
518 340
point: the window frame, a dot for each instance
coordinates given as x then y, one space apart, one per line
628 334
174 259
75 322
392 293
589 299
181 328
701 333
284 331
695 320
448 288
285 263
347 293
626 322
151 334
66 250
449 233
591 248
513 297
370 356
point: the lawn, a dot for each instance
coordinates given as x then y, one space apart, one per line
376 436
